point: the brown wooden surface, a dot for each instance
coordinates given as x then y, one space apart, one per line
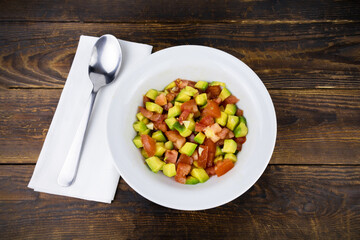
306 53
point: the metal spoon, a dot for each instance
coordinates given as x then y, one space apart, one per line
104 68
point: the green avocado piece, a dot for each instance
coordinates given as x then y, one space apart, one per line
153 107
229 146
200 174
225 93
184 132
159 136
243 119
230 156
218 151
143 152
139 127
170 122
174 111
154 163
232 122
201 99
230 109
178 104
182 96
140 116
137 141
241 130
190 124
152 94
171 85
202 85
199 138
169 170
218 158
222 120
160 149
216 83
169 145
190 91
192 180
188 148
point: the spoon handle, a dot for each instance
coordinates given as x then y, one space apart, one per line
70 167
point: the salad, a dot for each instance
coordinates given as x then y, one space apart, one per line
190 130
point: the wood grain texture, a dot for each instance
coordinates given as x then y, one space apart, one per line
314 126
177 11
284 55
283 204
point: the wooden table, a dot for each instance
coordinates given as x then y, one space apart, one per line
306 53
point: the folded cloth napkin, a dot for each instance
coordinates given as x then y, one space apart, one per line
97 178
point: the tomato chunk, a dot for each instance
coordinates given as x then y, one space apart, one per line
207 120
171 156
149 144
203 156
161 99
212 109
190 106
176 138
223 167
185 159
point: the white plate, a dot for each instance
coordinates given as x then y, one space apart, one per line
193 63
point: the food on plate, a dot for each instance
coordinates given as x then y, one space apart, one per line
190 130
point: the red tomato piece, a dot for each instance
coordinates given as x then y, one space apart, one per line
149 144
190 106
183 169
213 92
176 138
161 99
223 167
210 171
145 112
211 154
230 100
183 116
199 127
185 159
171 156
203 156
207 120
212 109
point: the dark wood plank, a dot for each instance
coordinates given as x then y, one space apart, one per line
283 204
314 126
290 55
178 11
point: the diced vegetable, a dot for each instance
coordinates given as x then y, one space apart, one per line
161 99
171 85
212 109
230 109
153 107
218 151
201 99
199 138
171 156
230 156
241 130
169 145
170 122
202 85
159 136
183 96
140 127
190 91
149 145
232 122
188 148
152 94
184 132
200 174
140 116
155 164
222 120
160 149
218 158
216 83
192 180
229 146
176 138
137 141
174 111
223 167
169 170
224 94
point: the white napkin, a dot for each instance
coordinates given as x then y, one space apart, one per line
97 178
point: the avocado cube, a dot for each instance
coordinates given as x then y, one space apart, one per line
199 138
195 163
200 174
159 136
154 163
160 149
182 96
152 94
169 170
202 85
174 111
229 146
190 91
230 109
243 119
222 120
139 127
137 141
225 93
218 151
191 180
170 85
144 154
170 122
140 116
169 145
188 148
153 107
230 156
218 158
216 83
178 104
241 130
201 99
190 124
232 122
147 132
184 132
